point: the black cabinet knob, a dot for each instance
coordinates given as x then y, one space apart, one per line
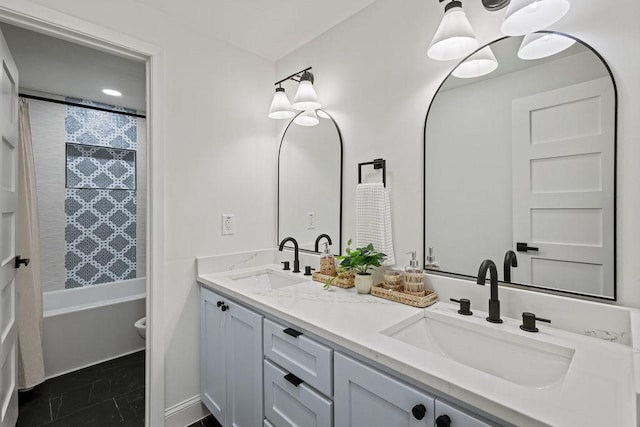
419 411
224 307
443 421
219 303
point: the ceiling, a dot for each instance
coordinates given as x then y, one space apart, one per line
268 28
58 67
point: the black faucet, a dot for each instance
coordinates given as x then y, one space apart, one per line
320 237
510 260
296 261
494 303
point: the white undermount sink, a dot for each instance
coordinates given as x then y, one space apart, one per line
500 350
265 279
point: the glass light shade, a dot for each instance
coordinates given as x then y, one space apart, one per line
454 38
528 16
307 118
541 45
280 106
306 97
480 63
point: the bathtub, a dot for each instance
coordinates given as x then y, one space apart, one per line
92 324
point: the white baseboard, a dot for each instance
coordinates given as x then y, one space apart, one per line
185 413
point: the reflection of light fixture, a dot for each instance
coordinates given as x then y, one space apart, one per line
480 63
111 92
541 45
307 118
454 38
280 106
322 114
527 16
306 97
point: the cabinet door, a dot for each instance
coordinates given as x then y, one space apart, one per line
244 367
366 397
456 418
213 383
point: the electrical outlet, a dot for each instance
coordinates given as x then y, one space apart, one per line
228 224
311 220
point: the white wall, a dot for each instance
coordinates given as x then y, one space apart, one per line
374 77
220 157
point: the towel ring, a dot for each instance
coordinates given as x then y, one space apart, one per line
377 164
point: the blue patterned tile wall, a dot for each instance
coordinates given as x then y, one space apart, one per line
100 203
92 127
100 236
98 167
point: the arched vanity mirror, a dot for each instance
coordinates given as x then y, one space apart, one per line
310 183
524 159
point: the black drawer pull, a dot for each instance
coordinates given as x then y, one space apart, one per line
293 379
292 332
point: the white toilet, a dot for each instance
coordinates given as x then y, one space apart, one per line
141 327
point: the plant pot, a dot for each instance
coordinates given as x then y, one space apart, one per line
364 283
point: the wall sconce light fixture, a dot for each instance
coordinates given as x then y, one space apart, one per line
306 100
455 38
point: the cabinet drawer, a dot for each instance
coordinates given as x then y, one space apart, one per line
287 405
456 416
300 355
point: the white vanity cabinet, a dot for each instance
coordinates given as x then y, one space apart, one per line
231 361
365 396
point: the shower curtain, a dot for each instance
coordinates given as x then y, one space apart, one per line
28 279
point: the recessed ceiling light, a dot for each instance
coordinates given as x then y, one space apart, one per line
111 92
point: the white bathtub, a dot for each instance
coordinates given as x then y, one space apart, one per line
88 325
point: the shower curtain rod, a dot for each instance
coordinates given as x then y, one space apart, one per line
75 104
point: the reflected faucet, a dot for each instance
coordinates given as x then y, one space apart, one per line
296 261
494 302
510 260
320 237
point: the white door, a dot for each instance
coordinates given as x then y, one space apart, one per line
563 187
8 202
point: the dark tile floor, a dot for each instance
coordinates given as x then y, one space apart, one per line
104 395
210 421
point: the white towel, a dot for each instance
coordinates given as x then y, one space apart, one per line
373 219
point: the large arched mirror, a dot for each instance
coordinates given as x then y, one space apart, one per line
523 159
310 183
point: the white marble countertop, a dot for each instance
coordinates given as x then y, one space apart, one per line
598 389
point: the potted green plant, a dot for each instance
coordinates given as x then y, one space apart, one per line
360 261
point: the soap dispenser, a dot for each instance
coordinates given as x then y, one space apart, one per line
327 262
432 264
413 277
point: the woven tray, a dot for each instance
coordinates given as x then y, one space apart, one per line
423 301
341 282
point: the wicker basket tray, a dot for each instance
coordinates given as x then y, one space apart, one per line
341 281
428 299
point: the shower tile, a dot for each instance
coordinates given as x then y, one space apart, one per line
100 236
99 128
100 167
